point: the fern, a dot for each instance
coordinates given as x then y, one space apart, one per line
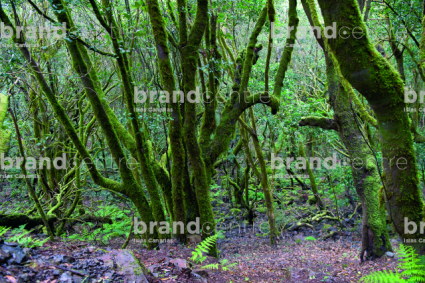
3 230
414 269
22 237
204 247
211 266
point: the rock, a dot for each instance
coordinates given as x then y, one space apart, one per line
214 203
179 262
4 256
63 259
18 256
389 254
25 277
109 275
26 250
126 264
11 244
153 268
194 239
65 277
201 272
78 279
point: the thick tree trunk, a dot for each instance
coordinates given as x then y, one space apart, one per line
366 178
368 72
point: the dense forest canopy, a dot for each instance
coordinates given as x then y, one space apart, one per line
143 119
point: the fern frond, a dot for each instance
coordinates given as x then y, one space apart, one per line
210 266
413 266
383 277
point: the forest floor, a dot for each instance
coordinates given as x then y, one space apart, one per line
295 259
305 261
318 261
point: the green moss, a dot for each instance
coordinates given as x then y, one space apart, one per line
5 135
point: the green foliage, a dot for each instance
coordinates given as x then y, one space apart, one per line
262 209
102 234
235 211
203 247
222 263
3 230
310 238
119 227
414 269
22 237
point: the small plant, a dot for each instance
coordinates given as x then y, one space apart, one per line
3 230
414 269
222 263
20 235
310 238
235 211
204 247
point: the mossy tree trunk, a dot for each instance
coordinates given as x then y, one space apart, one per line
261 174
366 177
129 186
311 177
369 73
176 125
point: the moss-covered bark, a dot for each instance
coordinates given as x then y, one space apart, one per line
142 151
189 55
175 126
261 175
368 72
137 196
311 177
31 189
366 176
5 135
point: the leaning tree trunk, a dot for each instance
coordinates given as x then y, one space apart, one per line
367 181
368 72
